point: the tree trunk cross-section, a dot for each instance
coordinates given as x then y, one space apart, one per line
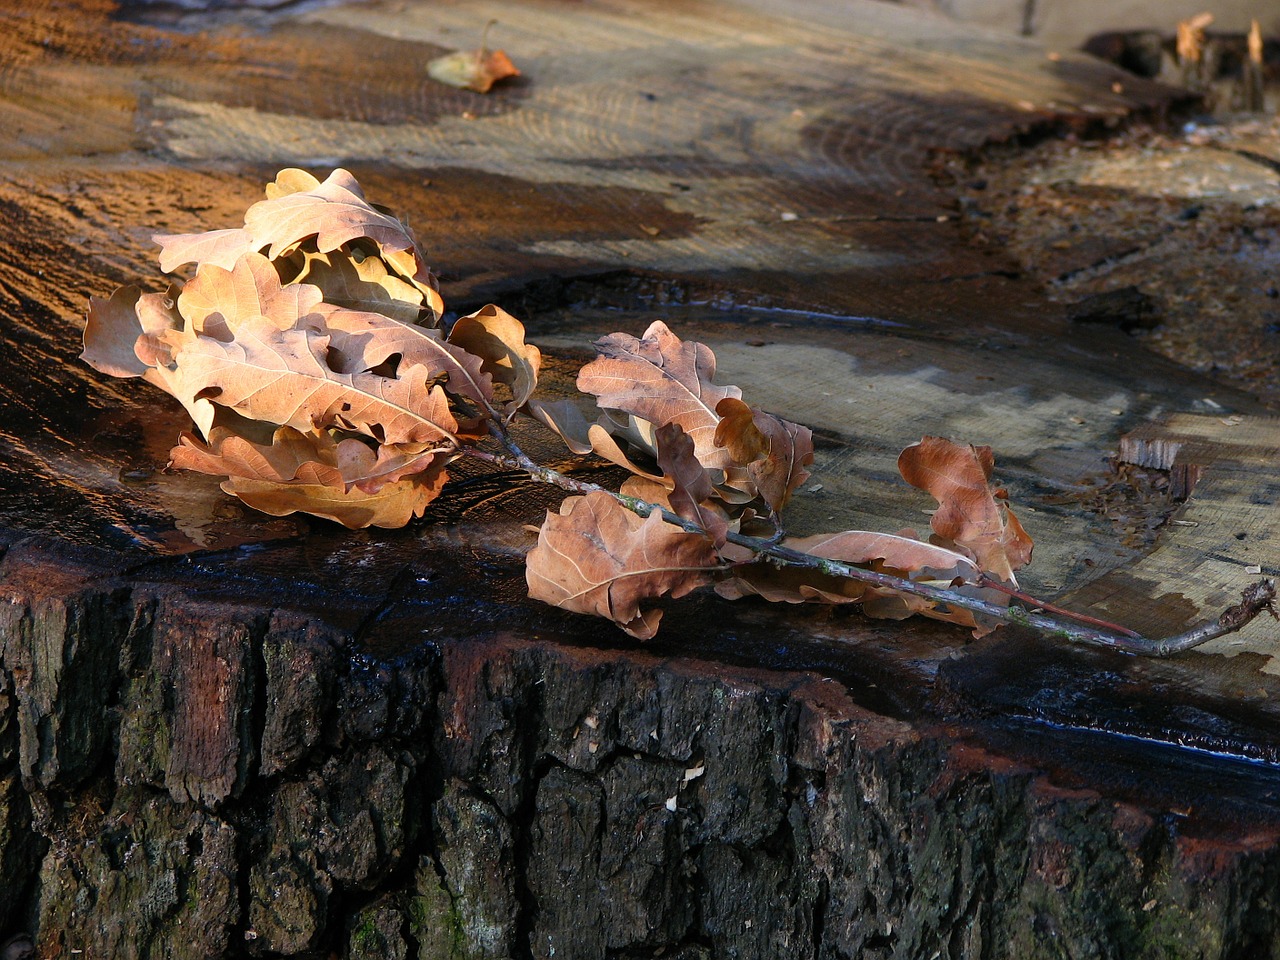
226 735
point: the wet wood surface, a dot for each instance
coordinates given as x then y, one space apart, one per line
757 174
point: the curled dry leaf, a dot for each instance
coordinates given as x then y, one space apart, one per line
476 70
971 514
315 459
497 338
332 215
391 505
217 299
595 556
358 284
663 380
897 555
691 486
775 452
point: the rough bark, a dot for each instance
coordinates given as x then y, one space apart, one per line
510 797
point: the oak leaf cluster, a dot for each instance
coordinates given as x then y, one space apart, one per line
307 348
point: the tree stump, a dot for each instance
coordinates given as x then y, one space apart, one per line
225 735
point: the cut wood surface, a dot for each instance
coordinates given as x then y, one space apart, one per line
293 739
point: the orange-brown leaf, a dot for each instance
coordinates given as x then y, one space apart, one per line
970 514
664 380
774 451
110 331
334 212
364 284
902 556
217 299
497 338
360 341
219 247
282 377
313 459
476 70
691 486
595 556
392 505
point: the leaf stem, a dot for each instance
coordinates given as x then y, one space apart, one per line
1054 621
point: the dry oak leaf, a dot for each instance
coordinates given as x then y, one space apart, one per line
691 485
903 556
363 284
497 338
283 377
110 332
774 451
219 247
391 505
132 335
597 557
566 419
315 459
217 299
300 207
291 456
664 380
334 211
971 514
476 70
360 341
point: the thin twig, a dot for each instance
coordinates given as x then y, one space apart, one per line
1254 599
988 582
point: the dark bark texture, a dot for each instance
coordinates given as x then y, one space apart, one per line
195 778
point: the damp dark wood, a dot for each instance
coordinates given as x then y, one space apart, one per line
223 734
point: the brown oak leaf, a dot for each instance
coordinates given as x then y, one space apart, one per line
282 377
111 329
774 451
365 284
221 248
299 209
661 379
334 212
897 555
294 457
359 341
133 335
391 505
595 556
971 513
497 338
691 486
216 299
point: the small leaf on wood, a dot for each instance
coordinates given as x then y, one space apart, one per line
595 556
971 514
476 70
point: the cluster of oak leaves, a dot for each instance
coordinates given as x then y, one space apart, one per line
307 350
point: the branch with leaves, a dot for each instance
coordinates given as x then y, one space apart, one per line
307 348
